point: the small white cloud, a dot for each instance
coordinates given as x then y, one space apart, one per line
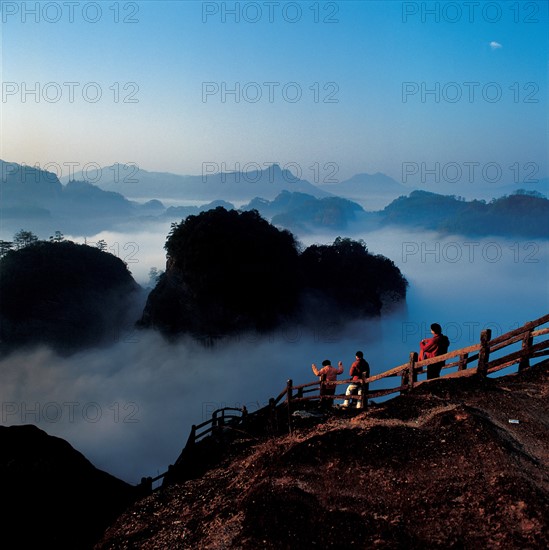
495 45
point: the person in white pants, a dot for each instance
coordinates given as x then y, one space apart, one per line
359 367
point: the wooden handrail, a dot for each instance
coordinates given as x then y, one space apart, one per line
524 328
480 352
463 356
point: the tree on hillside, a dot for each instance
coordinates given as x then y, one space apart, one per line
24 238
5 247
58 237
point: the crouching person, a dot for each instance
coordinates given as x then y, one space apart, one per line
358 368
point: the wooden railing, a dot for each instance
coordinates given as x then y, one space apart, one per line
292 397
481 353
219 419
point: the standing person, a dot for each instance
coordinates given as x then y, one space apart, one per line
433 347
328 388
358 368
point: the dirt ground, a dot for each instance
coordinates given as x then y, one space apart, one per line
441 467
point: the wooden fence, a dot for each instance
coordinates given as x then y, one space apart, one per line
486 357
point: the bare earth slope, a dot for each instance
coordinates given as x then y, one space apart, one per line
441 467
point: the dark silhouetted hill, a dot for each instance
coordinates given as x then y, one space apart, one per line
303 213
63 294
52 496
345 281
523 214
229 271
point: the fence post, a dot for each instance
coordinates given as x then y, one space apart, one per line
484 352
527 342
191 439
321 388
412 376
146 486
463 361
289 385
215 423
364 392
273 420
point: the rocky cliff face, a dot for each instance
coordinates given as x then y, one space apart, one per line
442 467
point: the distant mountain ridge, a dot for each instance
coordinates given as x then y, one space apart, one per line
374 191
37 200
28 192
230 186
302 212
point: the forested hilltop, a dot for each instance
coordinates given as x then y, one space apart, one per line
62 294
525 214
227 272
230 271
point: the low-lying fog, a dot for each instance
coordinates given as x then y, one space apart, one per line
129 407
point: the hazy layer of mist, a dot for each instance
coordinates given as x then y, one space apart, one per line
129 407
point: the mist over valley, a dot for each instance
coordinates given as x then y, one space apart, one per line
201 199
128 405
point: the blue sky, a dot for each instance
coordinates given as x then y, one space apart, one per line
161 69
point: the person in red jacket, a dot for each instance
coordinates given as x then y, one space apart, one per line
328 388
359 367
433 347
